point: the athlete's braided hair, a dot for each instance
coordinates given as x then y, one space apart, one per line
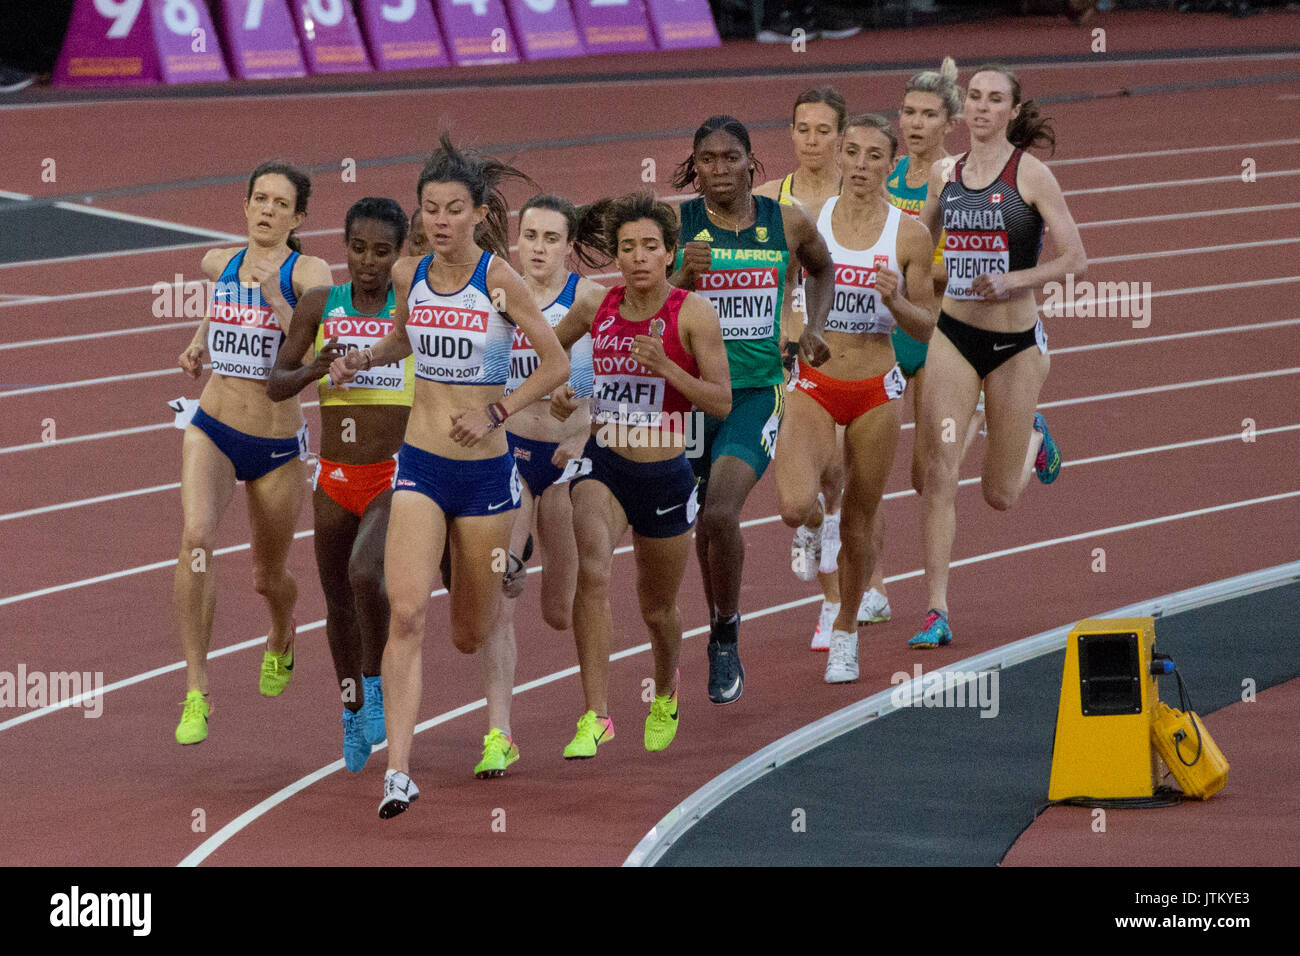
685 174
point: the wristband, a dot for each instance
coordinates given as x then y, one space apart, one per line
499 410
370 357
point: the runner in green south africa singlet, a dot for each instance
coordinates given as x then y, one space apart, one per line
745 285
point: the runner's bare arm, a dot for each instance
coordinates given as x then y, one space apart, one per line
1040 189
195 354
290 376
702 338
394 346
915 312
552 370
577 321
819 288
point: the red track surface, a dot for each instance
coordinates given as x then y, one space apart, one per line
118 790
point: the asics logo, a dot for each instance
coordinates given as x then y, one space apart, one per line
606 324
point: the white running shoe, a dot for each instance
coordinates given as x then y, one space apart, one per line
400 792
825 624
829 563
806 552
842 662
874 608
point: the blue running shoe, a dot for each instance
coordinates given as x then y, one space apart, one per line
726 676
356 751
936 632
1048 462
372 709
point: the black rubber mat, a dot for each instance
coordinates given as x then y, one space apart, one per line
38 230
944 786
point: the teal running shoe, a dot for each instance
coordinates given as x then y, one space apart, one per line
936 632
1048 462
372 709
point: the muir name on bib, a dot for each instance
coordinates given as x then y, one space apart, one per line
448 342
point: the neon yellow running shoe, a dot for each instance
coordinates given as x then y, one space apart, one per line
193 728
499 752
661 724
277 671
592 732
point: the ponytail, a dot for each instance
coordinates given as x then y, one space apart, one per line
1029 128
293 242
482 176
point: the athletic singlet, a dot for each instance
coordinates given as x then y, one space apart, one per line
910 199
459 338
745 284
787 192
625 391
987 230
392 384
244 335
857 307
523 358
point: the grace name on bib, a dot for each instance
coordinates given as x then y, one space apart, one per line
243 339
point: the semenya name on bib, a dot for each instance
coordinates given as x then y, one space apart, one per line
625 391
987 231
856 307
460 338
523 357
244 334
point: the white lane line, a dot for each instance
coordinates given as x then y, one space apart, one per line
1131 453
1201 214
121 253
1161 184
95 436
1183 151
115 575
129 217
251 815
625 549
87 336
106 380
83 502
1250 327
1193 251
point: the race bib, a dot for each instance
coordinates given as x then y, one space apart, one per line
243 340
448 343
360 332
576 468
967 255
745 300
856 307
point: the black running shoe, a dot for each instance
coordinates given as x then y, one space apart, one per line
726 676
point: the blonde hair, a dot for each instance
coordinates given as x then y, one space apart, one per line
942 83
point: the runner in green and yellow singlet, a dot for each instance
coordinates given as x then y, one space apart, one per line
738 249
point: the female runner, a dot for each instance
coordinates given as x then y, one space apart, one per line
541 447
361 430
992 205
882 277
931 109
657 351
740 251
238 434
817 130
456 482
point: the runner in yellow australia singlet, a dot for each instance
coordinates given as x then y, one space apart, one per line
739 249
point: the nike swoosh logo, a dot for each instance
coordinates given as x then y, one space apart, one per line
1000 348
282 454
734 687
664 511
501 505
